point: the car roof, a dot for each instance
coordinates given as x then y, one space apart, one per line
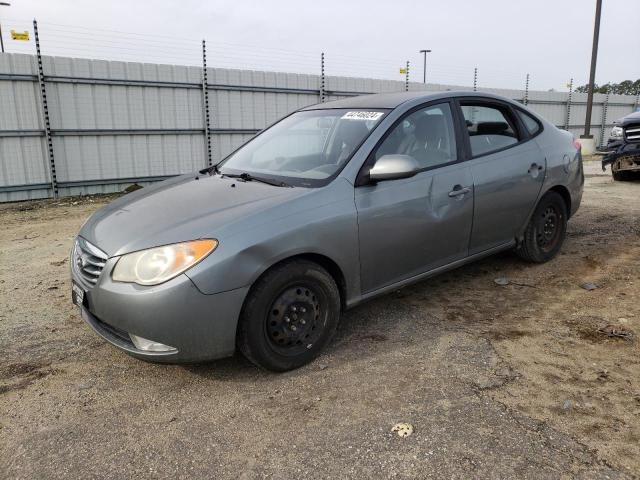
395 99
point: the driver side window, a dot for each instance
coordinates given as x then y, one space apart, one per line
426 135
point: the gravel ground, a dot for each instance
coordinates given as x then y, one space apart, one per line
498 381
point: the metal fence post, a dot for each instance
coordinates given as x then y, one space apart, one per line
322 79
526 91
475 79
45 113
205 108
406 78
568 114
603 123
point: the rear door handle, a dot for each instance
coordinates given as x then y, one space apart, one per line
534 166
459 190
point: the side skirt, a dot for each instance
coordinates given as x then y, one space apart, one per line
431 273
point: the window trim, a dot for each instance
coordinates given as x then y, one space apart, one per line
523 133
362 179
520 110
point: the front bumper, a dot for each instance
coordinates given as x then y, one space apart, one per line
629 152
200 327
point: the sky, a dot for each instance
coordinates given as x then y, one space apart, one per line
504 39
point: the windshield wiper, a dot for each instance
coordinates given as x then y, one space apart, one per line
247 177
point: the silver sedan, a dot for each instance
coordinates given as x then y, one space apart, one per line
332 205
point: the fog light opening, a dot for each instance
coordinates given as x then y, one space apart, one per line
150 345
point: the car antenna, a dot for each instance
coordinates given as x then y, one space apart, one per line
212 169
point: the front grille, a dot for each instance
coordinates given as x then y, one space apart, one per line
632 132
88 260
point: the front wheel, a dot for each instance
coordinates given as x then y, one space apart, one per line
619 176
546 230
625 175
290 315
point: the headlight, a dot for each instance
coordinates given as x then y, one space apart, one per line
616 132
159 264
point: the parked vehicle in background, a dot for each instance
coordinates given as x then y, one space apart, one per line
623 148
334 204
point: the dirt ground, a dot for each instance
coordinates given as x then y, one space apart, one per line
498 381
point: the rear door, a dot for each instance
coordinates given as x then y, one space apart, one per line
508 170
409 226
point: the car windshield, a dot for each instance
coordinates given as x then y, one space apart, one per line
307 148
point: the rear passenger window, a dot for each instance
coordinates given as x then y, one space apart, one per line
490 128
530 123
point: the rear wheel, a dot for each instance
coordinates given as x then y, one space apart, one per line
290 315
546 230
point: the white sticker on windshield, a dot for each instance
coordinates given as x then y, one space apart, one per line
362 115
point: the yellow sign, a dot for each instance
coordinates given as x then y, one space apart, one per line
20 35
403 70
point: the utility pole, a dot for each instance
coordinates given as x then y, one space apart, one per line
2 4
424 65
592 73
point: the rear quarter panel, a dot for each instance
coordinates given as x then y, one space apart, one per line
564 163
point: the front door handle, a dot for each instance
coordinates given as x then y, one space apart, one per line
459 190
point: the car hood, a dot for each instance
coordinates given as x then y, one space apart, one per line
631 118
184 208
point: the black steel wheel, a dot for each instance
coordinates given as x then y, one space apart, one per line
289 316
546 230
295 321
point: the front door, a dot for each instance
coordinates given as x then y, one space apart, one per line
410 226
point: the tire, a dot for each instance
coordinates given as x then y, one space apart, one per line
624 175
619 176
290 315
546 230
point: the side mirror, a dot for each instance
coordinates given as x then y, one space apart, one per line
393 167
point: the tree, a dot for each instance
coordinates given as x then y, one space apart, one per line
626 87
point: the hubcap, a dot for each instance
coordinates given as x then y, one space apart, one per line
548 231
293 323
